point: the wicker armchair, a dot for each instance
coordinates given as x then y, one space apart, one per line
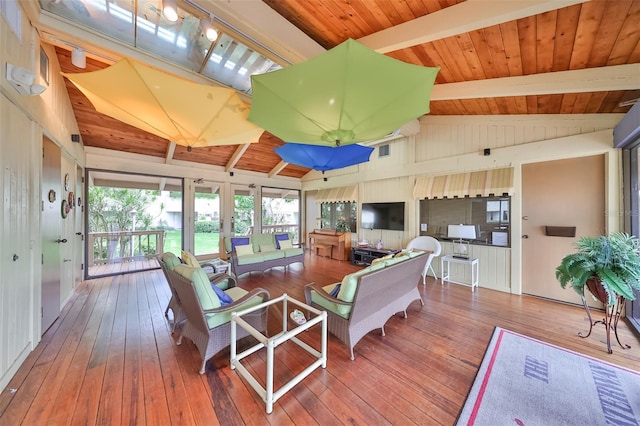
198 325
167 262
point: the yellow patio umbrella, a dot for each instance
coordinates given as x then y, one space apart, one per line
187 113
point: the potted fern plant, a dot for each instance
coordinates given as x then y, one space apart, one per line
608 265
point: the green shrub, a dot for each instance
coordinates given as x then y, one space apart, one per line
207 227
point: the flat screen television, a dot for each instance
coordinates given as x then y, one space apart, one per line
383 216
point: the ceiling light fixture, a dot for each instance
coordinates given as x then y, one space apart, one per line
206 23
170 10
78 58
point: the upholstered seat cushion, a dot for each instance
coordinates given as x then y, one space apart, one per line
293 251
250 259
270 255
342 310
236 293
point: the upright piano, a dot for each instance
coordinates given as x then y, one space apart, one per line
340 242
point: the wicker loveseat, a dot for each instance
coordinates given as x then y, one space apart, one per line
264 251
369 297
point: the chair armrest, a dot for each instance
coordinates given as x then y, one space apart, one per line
221 276
320 291
234 306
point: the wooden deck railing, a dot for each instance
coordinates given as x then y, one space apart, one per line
270 229
124 246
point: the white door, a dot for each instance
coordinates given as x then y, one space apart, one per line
558 193
52 198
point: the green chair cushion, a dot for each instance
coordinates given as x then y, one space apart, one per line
271 255
170 259
250 259
350 282
294 251
258 240
206 295
267 247
342 310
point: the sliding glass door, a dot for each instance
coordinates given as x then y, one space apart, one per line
131 219
207 223
631 171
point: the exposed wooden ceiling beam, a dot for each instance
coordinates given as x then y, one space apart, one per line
618 77
461 18
171 149
236 156
278 168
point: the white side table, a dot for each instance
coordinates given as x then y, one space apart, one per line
268 394
446 272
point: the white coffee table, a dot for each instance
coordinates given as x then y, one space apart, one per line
268 395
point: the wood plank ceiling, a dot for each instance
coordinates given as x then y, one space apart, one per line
583 36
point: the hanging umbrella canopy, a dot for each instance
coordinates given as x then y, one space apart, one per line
323 158
171 107
346 95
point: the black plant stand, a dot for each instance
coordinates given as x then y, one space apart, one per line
610 321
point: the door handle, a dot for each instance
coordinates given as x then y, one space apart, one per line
63 240
15 257
525 236
66 260
78 233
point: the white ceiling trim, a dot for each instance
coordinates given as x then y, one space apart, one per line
461 18
618 77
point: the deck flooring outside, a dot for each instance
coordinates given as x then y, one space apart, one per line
110 359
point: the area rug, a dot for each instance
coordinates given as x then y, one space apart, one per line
526 382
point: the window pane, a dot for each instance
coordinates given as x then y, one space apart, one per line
490 215
207 214
281 211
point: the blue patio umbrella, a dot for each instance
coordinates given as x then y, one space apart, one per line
323 158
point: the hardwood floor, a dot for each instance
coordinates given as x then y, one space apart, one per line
111 359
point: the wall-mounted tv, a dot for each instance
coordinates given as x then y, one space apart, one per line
383 216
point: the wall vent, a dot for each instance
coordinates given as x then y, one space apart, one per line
383 150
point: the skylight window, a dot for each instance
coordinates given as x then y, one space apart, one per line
120 13
140 25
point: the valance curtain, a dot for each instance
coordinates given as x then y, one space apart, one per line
341 194
481 183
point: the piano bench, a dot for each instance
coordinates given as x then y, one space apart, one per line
322 249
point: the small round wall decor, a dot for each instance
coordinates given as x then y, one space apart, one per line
66 181
52 195
64 209
71 200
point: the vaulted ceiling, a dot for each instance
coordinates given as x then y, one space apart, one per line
496 57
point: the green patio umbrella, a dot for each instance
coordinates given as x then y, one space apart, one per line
346 95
